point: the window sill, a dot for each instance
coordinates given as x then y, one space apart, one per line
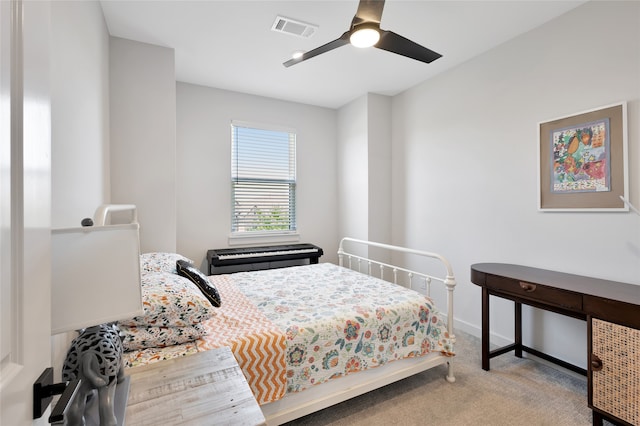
266 238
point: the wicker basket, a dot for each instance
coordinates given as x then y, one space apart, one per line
616 387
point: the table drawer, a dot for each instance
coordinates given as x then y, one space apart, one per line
536 292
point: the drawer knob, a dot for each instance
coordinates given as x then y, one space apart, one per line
596 363
527 287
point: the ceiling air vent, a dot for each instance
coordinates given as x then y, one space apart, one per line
293 27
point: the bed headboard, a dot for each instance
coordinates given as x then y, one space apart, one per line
104 213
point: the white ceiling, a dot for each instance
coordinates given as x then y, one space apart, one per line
230 44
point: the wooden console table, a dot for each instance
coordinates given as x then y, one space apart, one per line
591 299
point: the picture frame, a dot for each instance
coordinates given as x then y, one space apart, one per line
582 161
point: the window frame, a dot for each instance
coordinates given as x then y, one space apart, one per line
263 236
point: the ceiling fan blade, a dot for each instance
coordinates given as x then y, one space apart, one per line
395 43
368 11
344 39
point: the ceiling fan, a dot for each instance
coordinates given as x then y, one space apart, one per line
365 31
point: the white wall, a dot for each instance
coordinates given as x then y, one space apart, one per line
353 169
143 135
80 111
364 171
203 164
379 157
465 164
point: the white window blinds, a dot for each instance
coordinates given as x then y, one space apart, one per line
263 179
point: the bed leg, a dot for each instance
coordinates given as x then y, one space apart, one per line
450 377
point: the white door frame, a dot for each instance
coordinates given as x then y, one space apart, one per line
25 215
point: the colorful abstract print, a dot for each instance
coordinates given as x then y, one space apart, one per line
581 158
338 321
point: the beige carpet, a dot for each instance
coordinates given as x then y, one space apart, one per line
515 392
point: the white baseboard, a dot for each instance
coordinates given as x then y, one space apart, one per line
474 330
499 341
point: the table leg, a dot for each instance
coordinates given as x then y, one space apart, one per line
485 329
518 329
597 419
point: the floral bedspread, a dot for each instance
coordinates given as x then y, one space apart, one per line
338 321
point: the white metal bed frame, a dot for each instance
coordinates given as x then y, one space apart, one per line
318 397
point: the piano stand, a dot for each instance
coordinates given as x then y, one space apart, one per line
243 259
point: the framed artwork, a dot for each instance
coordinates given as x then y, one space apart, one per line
582 161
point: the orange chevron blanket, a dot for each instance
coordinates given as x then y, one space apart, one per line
258 345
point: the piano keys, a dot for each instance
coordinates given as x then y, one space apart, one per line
226 261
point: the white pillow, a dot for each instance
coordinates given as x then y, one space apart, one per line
159 262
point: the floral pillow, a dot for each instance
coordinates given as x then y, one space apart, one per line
169 300
142 337
160 262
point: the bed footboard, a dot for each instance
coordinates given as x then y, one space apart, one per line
366 265
298 404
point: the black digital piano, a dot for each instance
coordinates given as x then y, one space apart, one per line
241 259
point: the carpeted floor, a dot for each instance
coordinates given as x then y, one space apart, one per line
515 392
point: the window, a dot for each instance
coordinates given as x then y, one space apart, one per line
263 179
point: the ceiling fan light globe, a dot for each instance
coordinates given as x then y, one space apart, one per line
364 37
